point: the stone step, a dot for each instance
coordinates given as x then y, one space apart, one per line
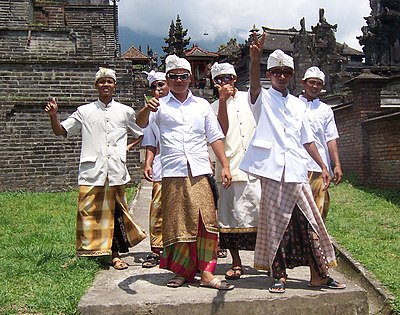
137 290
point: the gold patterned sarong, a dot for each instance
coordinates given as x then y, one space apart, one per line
95 220
321 197
184 200
155 218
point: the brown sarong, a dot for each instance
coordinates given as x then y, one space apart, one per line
321 197
155 218
184 200
96 220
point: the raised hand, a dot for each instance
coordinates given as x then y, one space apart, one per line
256 48
51 107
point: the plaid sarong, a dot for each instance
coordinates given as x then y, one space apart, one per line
187 258
321 197
278 200
103 222
155 219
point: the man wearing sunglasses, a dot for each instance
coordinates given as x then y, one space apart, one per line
152 170
237 205
290 230
325 132
190 231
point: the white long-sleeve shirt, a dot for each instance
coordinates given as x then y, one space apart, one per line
276 150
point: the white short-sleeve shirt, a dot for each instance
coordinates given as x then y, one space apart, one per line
104 131
322 122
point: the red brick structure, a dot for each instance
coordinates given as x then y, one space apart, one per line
369 143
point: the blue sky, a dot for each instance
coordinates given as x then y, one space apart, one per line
225 19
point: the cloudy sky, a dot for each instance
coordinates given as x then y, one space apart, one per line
233 19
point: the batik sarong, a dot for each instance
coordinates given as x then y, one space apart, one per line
190 233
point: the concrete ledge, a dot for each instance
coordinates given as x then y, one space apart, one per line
143 291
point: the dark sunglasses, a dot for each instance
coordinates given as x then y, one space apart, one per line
285 72
157 85
175 77
224 79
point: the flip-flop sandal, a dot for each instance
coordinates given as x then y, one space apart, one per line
278 286
119 264
151 261
222 253
330 284
234 273
218 284
176 282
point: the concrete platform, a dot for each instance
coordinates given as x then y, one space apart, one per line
138 290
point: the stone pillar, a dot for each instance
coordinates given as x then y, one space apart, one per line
366 90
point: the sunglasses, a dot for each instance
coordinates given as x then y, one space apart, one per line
175 77
157 85
312 82
285 72
224 79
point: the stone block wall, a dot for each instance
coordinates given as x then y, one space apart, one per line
53 48
33 158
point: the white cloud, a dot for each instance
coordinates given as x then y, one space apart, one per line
229 18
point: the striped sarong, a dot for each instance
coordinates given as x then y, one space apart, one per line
187 258
155 218
103 222
321 197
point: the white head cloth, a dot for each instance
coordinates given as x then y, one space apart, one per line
105 73
314 72
174 62
222 69
153 76
279 59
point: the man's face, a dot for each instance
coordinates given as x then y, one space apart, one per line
280 77
105 87
224 79
160 87
178 80
312 88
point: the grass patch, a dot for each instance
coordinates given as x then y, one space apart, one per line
366 222
39 271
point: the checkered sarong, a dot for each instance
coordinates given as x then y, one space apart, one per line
277 203
96 221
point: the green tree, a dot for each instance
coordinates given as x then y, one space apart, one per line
176 41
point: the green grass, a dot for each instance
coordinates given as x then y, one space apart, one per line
367 223
37 248
38 237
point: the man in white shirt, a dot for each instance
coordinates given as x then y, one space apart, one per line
187 123
323 125
290 230
152 171
237 205
103 222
